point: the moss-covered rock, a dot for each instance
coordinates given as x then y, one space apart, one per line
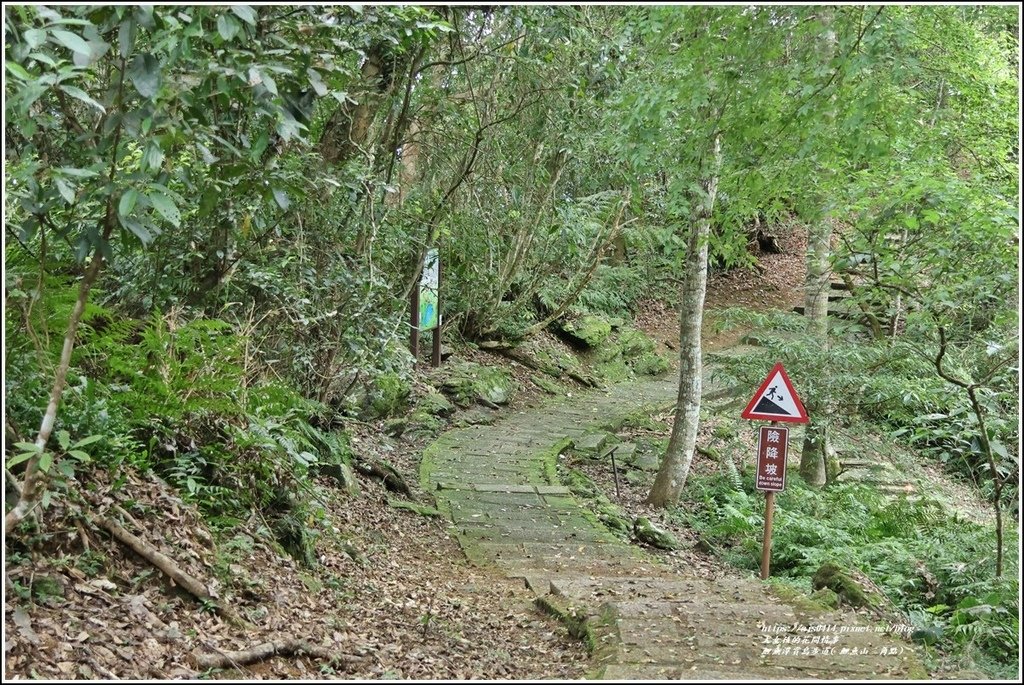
613 371
587 331
342 474
650 364
826 598
634 343
555 361
467 382
547 385
435 404
649 534
580 484
613 518
845 586
422 425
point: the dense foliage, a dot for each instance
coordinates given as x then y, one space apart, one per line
252 191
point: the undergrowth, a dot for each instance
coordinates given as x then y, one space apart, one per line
936 567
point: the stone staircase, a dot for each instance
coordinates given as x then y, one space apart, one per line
640 619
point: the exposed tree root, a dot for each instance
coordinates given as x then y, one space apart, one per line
288 647
386 473
166 565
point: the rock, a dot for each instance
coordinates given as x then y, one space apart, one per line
651 364
826 598
435 404
548 386
422 425
625 453
592 445
587 331
633 343
649 534
395 427
475 417
466 383
647 461
845 586
635 477
342 474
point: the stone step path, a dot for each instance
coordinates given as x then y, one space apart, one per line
642 620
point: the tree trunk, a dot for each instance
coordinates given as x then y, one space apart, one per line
33 486
349 126
816 451
814 454
675 466
816 284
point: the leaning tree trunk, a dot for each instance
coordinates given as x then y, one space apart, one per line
675 466
34 483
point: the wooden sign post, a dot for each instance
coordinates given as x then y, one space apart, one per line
774 401
772 446
424 308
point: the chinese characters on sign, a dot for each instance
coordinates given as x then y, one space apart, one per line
771 458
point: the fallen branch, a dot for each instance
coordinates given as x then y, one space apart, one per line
166 565
289 647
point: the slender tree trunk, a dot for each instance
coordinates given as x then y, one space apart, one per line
817 447
675 466
33 485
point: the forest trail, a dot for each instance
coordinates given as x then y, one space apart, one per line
642 620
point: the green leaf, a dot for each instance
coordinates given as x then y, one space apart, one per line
127 203
65 190
136 227
153 157
227 26
166 207
126 37
63 439
66 468
28 447
245 13
18 71
144 73
34 38
88 441
77 173
316 82
999 448
19 458
282 198
45 461
259 146
80 94
73 42
80 455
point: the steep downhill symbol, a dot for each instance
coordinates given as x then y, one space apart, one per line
776 400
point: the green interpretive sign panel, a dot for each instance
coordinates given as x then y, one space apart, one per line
429 315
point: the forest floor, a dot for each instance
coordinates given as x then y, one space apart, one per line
392 594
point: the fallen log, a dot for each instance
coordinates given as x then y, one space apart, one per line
286 647
166 565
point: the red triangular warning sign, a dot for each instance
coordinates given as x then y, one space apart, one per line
776 400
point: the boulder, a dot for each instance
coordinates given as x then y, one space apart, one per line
587 331
649 534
